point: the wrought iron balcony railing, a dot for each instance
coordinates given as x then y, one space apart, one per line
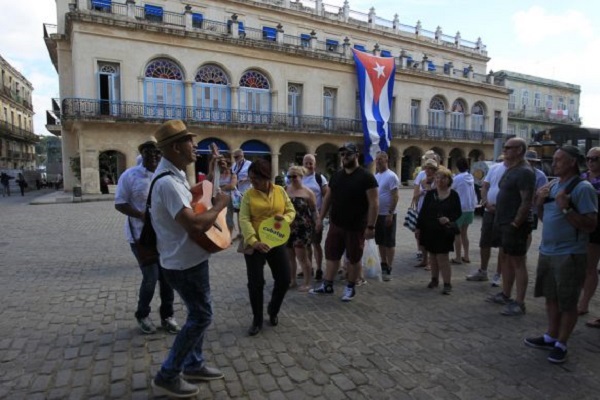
545 115
15 132
125 111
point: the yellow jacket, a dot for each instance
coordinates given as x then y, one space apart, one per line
257 206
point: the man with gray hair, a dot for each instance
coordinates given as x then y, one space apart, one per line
568 208
511 225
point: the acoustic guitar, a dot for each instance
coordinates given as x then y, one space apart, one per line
217 237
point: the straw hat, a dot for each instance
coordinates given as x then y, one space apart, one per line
149 142
532 155
171 131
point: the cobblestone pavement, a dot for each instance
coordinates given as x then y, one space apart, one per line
68 289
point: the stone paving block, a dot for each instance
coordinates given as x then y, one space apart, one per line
267 382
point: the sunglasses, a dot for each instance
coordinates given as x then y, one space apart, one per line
592 159
346 154
510 147
151 152
292 176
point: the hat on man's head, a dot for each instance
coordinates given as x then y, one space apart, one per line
149 142
531 155
350 147
576 153
171 131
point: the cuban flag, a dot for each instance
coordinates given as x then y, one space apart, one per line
375 85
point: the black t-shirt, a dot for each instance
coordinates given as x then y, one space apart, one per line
515 179
349 202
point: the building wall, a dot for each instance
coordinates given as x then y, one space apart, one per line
108 38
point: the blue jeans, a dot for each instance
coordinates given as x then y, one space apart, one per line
278 261
193 287
150 275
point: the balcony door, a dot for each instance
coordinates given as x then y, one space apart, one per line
254 98
212 94
109 88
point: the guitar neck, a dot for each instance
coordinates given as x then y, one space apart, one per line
216 180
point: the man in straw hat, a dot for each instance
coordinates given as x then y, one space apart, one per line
185 264
130 199
568 208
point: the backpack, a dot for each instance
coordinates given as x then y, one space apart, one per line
570 187
319 179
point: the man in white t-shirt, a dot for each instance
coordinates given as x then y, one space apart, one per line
130 199
489 193
317 183
184 262
385 227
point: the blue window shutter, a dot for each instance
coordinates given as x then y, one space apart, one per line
197 18
430 66
269 33
242 27
153 10
305 36
359 47
104 5
331 42
386 53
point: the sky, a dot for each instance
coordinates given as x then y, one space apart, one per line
551 39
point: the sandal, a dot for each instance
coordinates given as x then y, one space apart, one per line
304 289
593 323
466 260
427 268
455 261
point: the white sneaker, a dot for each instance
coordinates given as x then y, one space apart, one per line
496 280
349 294
146 325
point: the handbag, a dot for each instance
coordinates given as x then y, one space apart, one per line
410 220
146 244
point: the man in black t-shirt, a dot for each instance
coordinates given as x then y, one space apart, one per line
354 201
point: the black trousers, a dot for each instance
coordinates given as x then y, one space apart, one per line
278 261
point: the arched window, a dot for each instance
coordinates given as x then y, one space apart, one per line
212 94
254 97
478 117
457 121
163 90
437 116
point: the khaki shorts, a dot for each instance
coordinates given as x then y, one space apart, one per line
560 278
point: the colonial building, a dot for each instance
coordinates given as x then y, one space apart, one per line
273 77
17 140
536 104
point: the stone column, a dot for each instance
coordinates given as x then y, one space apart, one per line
313 40
235 106
372 17
130 9
396 23
188 17
274 165
402 58
188 94
279 34
319 7
235 27
346 47
346 11
82 5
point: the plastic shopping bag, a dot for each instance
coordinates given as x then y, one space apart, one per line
370 261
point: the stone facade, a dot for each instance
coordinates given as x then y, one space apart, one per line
124 68
17 140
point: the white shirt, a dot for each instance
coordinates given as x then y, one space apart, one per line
493 178
242 174
132 189
170 195
310 181
388 183
464 184
420 181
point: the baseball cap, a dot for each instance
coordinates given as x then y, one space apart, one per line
350 147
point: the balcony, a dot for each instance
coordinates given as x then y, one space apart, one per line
15 96
545 115
13 132
131 112
50 33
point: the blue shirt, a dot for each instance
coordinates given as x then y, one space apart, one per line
559 237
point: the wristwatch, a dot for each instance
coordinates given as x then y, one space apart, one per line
567 210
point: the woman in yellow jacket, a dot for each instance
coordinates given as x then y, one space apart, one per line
264 200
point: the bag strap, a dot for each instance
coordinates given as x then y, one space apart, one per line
149 198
